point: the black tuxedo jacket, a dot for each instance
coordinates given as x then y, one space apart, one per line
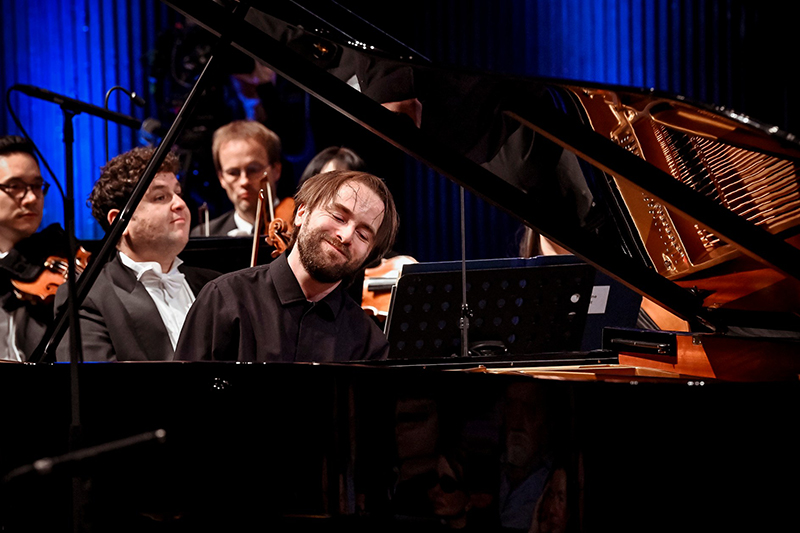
119 320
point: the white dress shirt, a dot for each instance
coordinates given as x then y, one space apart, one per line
8 332
243 227
170 292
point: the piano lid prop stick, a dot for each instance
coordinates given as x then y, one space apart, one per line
465 312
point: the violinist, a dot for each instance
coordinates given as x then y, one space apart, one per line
296 308
243 150
23 317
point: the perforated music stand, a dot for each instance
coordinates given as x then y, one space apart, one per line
522 309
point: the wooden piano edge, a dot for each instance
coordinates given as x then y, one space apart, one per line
695 357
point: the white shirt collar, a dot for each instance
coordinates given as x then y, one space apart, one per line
243 227
140 267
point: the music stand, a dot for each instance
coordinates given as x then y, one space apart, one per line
517 308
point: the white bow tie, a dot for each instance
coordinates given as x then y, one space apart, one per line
171 282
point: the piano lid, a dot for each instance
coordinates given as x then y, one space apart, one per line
693 206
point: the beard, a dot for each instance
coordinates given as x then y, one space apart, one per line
319 262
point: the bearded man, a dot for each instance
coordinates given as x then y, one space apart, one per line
297 308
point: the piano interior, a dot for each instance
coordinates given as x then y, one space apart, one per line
685 424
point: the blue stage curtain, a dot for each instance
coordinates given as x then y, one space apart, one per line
79 49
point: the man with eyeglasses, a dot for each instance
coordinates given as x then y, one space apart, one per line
23 316
243 151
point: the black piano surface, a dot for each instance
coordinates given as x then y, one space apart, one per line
329 447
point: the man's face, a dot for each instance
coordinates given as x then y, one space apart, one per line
160 224
334 240
20 216
242 163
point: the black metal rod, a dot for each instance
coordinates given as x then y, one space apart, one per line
465 313
76 106
76 352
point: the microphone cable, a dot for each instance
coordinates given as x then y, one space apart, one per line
35 148
135 98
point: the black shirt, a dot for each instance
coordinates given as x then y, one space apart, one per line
261 314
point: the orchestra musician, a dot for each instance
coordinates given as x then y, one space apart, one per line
242 151
23 317
296 308
136 307
333 158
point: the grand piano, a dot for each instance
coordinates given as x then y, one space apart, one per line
692 207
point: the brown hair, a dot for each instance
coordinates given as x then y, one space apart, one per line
321 189
242 130
118 179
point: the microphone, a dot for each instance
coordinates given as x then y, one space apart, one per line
77 106
136 99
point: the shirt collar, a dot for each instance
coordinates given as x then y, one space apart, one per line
140 267
242 225
290 292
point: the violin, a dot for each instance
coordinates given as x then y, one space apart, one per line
275 220
43 288
279 229
376 295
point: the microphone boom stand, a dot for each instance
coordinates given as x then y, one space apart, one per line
79 290
76 352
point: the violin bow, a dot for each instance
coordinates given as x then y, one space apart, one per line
260 222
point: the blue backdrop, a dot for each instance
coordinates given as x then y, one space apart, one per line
731 53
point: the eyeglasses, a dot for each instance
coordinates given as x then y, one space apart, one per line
253 173
18 189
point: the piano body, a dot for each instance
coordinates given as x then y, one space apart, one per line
693 207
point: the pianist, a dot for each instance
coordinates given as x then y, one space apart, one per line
242 151
136 307
296 308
